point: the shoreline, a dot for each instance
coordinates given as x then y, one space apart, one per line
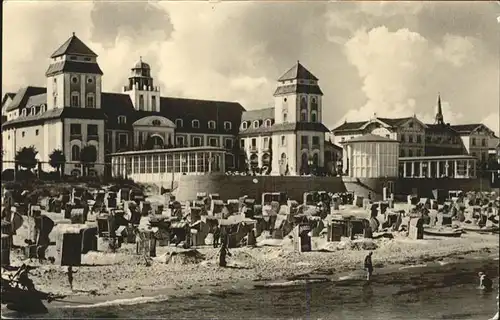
344 272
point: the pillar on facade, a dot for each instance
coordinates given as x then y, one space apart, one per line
455 169
446 168
210 159
404 169
222 164
412 169
467 169
438 171
188 163
421 169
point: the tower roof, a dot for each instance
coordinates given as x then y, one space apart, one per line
298 71
141 65
73 46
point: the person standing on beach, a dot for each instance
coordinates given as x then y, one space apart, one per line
216 236
369 266
70 276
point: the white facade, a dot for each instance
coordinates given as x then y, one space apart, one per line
368 158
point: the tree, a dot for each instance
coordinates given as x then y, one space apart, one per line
88 156
57 160
26 157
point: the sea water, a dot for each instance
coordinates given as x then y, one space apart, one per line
442 291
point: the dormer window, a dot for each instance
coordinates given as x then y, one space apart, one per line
90 80
179 123
122 120
269 123
244 125
74 79
195 124
24 112
75 99
211 124
227 125
256 124
156 122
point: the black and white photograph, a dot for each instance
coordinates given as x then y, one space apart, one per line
319 160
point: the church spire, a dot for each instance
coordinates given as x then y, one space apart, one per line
439 111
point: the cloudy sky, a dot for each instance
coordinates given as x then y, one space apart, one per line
391 59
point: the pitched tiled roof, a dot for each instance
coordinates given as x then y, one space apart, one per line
8 95
23 95
394 122
118 104
288 126
440 128
73 66
203 111
73 46
258 114
466 128
68 113
297 72
298 88
370 138
37 100
349 126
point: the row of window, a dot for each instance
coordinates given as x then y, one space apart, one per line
265 144
410 153
179 123
304 141
483 142
34 110
410 138
256 124
75 100
179 140
76 129
76 151
483 156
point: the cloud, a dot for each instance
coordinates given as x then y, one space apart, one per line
397 69
391 58
492 121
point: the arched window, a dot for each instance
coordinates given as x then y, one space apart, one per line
75 99
227 125
314 104
315 160
211 124
304 160
195 123
75 153
156 122
303 103
179 123
256 124
90 100
269 123
314 116
244 125
303 115
285 117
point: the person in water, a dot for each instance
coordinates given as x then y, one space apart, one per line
485 282
369 266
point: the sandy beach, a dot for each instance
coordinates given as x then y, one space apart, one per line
111 276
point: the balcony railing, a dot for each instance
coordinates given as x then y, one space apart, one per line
93 137
75 136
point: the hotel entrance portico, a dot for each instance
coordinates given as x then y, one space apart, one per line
457 167
163 166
